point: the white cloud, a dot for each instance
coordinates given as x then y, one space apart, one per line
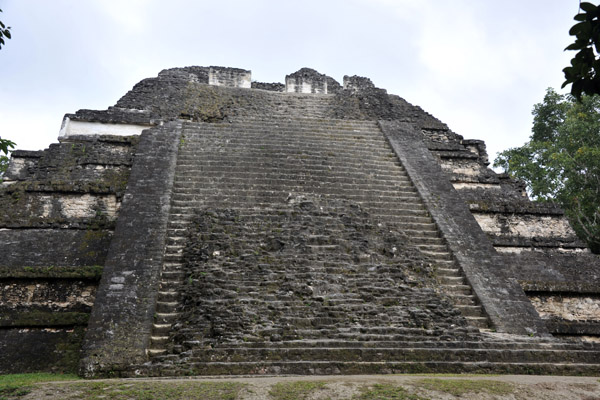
129 16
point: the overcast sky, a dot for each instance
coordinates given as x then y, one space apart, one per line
478 65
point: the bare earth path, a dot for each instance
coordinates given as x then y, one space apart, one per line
340 387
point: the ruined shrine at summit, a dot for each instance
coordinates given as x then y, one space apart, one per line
209 224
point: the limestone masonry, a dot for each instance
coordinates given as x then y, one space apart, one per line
209 224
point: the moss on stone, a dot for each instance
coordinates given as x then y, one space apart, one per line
92 272
40 318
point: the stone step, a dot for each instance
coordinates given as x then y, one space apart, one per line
376 367
168 296
463 299
408 223
321 102
258 169
172 258
172 275
163 307
393 354
468 341
159 342
433 248
165 318
194 198
451 280
270 161
303 127
219 161
417 234
295 124
449 272
174 265
156 352
445 263
459 289
247 187
300 148
296 130
471 310
479 322
263 170
242 203
438 255
161 329
180 204
358 335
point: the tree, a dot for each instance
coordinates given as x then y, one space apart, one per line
561 161
4 33
5 147
584 71
5 144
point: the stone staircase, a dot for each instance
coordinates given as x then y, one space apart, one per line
281 258
255 163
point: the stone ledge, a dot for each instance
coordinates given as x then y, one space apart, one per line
56 247
484 268
64 187
555 287
514 207
115 116
566 327
43 319
125 303
92 272
453 154
27 153
529 242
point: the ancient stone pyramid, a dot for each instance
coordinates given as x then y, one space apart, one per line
207 224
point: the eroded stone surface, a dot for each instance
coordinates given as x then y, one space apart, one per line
571 308
49 295
313 269
525 225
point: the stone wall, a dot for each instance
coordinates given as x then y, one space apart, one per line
126 300
59 208
540 247
230 77
306 80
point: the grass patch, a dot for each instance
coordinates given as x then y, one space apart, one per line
458 387
13 386
155 390
295 390
447 375
386 391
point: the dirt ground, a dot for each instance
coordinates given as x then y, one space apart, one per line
349 387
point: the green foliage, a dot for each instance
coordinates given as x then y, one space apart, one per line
561 161
5 147
4 33
295 390
3 165
5 144
385 391
459 387
584 71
